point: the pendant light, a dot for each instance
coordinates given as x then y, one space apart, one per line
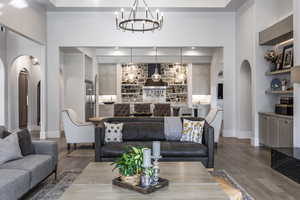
156 77
181 75
131 69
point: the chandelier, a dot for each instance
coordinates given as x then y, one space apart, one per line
156 76
140 18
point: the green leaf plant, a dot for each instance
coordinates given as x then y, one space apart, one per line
130 163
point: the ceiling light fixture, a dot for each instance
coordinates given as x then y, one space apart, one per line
20 4
140 18
156 76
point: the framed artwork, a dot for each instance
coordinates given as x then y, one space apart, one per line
279 61
288 57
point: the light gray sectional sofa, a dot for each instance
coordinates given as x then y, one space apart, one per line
20 176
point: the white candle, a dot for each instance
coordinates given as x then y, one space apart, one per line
156 149
147 158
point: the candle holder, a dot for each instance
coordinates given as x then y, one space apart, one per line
146 179
156 170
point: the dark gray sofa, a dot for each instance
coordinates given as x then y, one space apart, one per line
20 176
142 131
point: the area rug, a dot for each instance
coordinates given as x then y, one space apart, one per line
229 179
53 190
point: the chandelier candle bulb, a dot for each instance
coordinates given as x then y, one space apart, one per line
156 149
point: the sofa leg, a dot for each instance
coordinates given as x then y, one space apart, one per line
69 147
93 146
55 173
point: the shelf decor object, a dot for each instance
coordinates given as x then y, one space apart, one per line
139 19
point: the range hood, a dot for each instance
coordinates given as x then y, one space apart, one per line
151 71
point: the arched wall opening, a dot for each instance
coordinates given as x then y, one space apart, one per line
22 101
2 94
245 101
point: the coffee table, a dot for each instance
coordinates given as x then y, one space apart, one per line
188 181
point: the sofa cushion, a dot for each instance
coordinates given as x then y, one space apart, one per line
183 149
116 149
168 149
10 148
13 183
113 132
39 166
143 131
2 132
25 142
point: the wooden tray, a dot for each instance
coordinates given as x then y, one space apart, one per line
144 190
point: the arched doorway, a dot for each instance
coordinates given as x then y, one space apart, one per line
23 98
24 91
2 93
245 101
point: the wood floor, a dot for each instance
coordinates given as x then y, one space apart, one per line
249 166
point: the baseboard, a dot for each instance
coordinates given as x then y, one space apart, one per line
52 134
245 135
34 128
229 133
255 142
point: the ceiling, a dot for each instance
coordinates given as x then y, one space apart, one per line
148 54
165 5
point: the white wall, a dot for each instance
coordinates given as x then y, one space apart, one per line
30 21
217 65
245 103
107 79
74 87
201 79
97 29
2 93
3 109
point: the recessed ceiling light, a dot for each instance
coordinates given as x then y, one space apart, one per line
20 4
116 48
193 48
1 5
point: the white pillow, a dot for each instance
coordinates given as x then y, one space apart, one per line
10 148
192 131
113 132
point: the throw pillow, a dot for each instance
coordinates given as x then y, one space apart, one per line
192 131
113 132
25 142
10 148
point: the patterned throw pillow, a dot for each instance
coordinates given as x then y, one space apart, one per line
192 131
113 132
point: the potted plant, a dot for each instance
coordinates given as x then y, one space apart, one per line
272 57
130 165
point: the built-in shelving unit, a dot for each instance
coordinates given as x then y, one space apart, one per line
280 92
279 72
277 130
